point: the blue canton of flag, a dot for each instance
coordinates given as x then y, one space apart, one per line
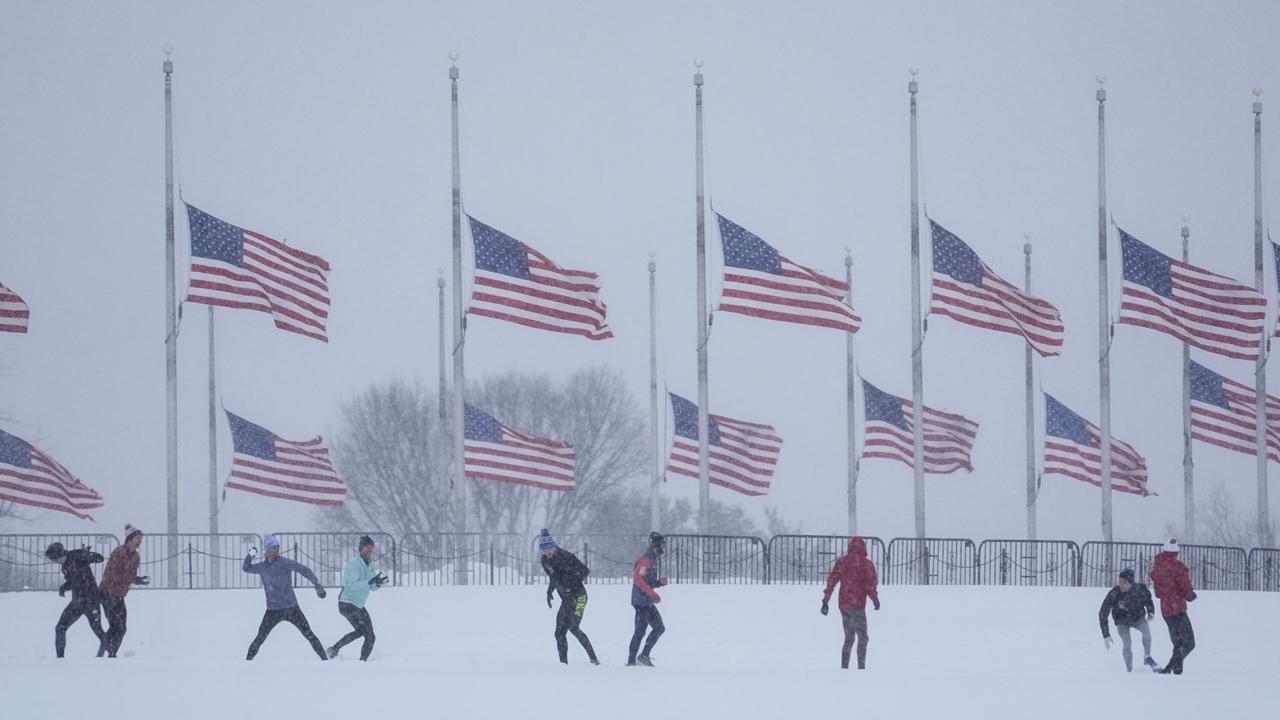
1073 448
31 478
1225 413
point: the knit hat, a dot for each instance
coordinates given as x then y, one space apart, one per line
130 531
270 541
365 541
1127 574
55 551
1171 546
546 541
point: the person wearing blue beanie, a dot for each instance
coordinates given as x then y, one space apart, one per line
566 574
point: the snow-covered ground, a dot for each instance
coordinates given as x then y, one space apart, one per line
730 651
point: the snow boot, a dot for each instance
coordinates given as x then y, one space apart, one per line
332 652
1151 663
644 660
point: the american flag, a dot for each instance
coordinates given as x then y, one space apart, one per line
742 455
1073 448
761 282
493 451
266 464
516 283
966 290
1205 310
29 477
14 313
1224 413
237 268
948 437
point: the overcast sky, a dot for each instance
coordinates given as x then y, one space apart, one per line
328 124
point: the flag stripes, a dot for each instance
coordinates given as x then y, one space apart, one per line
14 313
743 455
30 477
493 451
1073 449
266 464
889 433
1224 413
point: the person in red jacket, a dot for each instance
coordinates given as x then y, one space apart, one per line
1172 583
120 575
857 577
644 598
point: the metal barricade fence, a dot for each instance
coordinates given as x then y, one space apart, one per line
464 559
1264 564
1028 562
23 565
715 559
1216 568
327 553
204 561
610 557
1101 562
795 559
931 561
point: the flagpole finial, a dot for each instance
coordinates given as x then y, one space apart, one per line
913 86
697 74
1257 101
1102 91
453 65
1186 230
653 266
168 59
1026 243
848 256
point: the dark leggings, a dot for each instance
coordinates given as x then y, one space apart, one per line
363 628
568 620
855 628
117 616
647 616
84 605
1183 638
292 615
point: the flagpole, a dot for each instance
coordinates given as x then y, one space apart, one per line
654 507
1260 375
459 325
213 450
1188 459
443 392
851 378
704 432
1104 318
917 331
171 331
1031 411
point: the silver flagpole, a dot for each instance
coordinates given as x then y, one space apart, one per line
851 395
1264 511
1104 318
917 331
443 392
704 432
1188 459
1031 412
459 326
654 444
213 452
171 330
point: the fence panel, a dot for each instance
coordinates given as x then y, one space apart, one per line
326 553
1101 562
1216 568
610 557
23 565
1264 564
931 561
796 559
204 561
465 559
1028 562
715 559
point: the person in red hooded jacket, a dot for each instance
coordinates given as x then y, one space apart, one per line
1172 583
857 577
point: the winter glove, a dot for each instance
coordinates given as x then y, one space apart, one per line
875 604
1191 597
142 580
253 552
62 591
825 608
548 598
663 582
1151 616
320 592
1106 640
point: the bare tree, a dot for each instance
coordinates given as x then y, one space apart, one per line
1222 523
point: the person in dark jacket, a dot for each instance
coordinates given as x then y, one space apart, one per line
282 605
1172 583
857 578
359 578
85 601
120 575
1130 605
565 575
645 599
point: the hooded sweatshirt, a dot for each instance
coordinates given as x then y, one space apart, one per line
1172 582
857 577
277 579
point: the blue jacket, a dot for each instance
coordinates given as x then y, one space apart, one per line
277 579
355 581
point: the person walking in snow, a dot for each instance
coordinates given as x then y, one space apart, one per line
359 578
857 578
121 574
1172 583
85 600
565 575
645 599
282 605
1129 604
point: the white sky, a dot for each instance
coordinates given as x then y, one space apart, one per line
328 125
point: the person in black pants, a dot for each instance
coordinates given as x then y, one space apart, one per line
359 578
644 599
85 599
565 574
282 605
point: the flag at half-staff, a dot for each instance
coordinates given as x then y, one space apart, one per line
743 455
14 313
516 283
494 451
966 290
30 477
1073 448
234 267
761 282
1224 413
267 464
1203 309
948 437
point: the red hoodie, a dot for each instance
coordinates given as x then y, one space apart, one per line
857 577
1172 582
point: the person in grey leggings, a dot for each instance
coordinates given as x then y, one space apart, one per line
1129 603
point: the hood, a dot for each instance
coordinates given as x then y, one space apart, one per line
857 547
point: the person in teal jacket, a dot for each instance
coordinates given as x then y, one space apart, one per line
360 576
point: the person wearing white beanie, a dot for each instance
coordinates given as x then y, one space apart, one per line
1172 582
